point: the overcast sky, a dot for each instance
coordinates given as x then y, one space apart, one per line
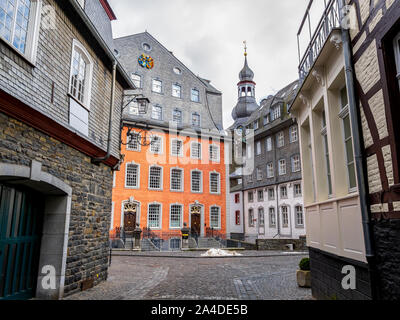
207 36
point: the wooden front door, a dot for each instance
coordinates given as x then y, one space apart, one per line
21 214
196 221
129 221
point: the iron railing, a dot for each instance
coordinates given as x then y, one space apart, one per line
330 20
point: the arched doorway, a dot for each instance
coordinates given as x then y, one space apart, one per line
21 221
131 217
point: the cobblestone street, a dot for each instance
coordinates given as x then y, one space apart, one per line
187 276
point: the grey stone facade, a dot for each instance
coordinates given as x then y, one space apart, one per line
37 94
210 105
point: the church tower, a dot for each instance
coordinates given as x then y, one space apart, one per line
246 93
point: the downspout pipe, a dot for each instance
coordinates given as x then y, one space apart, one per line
358 152
111 117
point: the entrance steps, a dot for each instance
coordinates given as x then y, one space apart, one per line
208 243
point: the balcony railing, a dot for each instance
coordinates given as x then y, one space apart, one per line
330 20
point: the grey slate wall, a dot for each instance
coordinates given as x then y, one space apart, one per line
130 48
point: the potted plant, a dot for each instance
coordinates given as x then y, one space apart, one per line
304 274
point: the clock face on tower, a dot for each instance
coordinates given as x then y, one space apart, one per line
146 61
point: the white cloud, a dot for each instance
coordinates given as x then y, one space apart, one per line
207 36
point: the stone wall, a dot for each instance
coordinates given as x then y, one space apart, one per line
87 256
281 244
326 277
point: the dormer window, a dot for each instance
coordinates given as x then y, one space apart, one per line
275 113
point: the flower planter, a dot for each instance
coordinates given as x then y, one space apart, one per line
304 278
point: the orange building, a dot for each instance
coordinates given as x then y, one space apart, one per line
177 179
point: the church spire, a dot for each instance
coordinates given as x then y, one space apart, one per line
246 74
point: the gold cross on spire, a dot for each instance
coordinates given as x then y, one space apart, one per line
245 48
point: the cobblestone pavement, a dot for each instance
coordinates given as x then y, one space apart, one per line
245 278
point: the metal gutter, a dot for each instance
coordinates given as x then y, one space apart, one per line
358 152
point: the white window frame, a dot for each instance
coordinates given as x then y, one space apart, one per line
182 179
287 215
193 124
258 148
174 89
294 133
295 194
219 217
272 213
181 216
284 192
261 214
260 199
268 144
156 83
32 36
159 217
172 147
161 145
217 159
259 174
280 139
161 178
198 95
200 150
251 218
161 113
87 94
299 225
138 146
219 182
201 181
271 196
250 199
282 164
136 80
180 122
270 170
293 161
137 176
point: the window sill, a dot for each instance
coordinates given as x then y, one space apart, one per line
132 188
78 102
31 62
215 193
197 192
177 191
155 189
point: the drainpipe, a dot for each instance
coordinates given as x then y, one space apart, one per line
107 156
358 152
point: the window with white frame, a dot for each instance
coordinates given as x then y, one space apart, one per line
177 116
19 25
156 145
271 194
297 190
270 170
251 218
294 134
284 192
296 163
285 216
154 216
324 134
156 112
250 196
195 95
259 174
258 148
156 86
132 175
215 217
275 113
280 140
261 219
155 178
266 120
396 44
176 179
175 216
81 74
214 153
177 148
215 183
133 143
137 80
282 167
195 150
268 144
348 140
133 108
196 119
299 215
197 181
272 217
260 195
176 90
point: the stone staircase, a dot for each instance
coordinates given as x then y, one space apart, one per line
208 243
148 245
